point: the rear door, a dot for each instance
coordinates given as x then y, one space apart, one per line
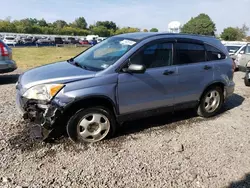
194 73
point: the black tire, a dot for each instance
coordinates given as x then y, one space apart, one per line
246 81
73 123
201 111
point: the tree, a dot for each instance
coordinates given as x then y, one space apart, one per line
248 38
154 30
145 30
202 24
127 30
101 31
230 34
60 24
42 23
80 23
107 24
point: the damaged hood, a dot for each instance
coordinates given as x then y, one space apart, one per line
61 72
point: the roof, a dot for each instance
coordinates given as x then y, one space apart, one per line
143 35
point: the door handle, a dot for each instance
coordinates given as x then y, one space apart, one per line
168 72
206 67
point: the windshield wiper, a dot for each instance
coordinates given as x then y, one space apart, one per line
71 60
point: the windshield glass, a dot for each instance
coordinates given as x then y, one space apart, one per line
104 54
233 49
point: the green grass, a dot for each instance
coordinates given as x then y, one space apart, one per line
27 58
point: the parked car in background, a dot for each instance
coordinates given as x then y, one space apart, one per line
72 40
100 39
244 58
93 42
26 41
232 49
10 40
44 41
6 62
58 40
127 77
84 42
237 56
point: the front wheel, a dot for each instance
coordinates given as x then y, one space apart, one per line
91 125
211 102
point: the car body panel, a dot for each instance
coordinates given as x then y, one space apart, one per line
61 72
153 89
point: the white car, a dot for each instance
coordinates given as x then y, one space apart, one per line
237 55
10 40
232 49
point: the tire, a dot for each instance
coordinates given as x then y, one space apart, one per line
208 106
246 81
91 125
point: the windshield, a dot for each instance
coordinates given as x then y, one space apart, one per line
104 54
233 49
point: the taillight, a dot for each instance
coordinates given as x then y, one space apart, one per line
3 50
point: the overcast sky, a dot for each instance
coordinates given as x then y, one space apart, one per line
134 13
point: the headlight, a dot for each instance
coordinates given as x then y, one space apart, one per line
248 64
43 92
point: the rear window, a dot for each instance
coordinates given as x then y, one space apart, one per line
214 54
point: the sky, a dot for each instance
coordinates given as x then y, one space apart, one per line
144 14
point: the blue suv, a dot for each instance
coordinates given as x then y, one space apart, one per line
126 77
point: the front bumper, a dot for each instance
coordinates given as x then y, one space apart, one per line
40 113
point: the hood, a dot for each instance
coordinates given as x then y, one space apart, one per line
61 72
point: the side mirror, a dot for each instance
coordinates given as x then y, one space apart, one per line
135 68
241 52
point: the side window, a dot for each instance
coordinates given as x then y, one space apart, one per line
155 55
189 53
248 49
214 54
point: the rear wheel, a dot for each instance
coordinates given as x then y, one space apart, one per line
91 125
211 102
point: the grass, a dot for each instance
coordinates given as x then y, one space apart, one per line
27 58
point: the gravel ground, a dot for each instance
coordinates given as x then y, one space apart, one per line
179 150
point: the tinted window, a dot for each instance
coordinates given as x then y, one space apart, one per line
189 53
155 55
214 54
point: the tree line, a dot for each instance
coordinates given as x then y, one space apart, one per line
61 27
201 24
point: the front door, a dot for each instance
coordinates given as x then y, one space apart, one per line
152 89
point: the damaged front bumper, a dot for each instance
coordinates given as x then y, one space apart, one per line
44 114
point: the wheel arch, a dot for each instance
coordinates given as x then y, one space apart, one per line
214 84
89 101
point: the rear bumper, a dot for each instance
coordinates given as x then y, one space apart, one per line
7 66
229 89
